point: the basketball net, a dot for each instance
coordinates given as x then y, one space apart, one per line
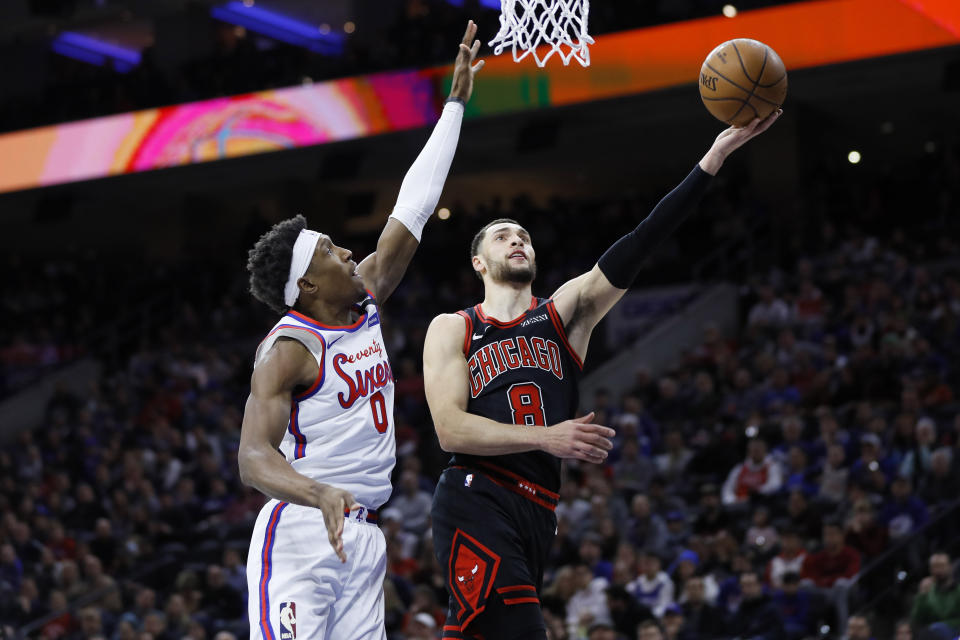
561 24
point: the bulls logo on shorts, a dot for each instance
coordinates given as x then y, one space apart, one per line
473 568
288 620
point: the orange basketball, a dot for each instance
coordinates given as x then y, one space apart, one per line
741 80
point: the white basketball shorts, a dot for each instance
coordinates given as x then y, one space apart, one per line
298 588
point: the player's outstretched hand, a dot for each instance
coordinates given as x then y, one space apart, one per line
578 439
333 503
464 68
732 139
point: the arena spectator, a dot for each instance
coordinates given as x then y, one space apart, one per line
673 461
769 311
917 461
800 609
789 559
902 630
870 461
588 604
625 611
864 533
756 616
936 606
904 513
712 517
632 472
673 623
591 554
653 587
942 484
700 618
832 568
220 600
802 515
858 628
601 631
761 534
758 475
645 529
421 626
413 503
834 475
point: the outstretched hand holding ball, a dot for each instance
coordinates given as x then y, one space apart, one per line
742 80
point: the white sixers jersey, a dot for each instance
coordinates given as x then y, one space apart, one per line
340 430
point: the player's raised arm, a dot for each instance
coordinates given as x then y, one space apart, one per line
447 386
583 301
286 366
420 191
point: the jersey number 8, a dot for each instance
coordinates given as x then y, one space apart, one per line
526 404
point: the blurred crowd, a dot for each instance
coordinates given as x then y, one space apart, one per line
777 481
411 33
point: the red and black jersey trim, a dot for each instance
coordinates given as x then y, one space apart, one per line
518 484
558 325
504 325
518 594
468 336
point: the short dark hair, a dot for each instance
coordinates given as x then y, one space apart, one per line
477 239
269 262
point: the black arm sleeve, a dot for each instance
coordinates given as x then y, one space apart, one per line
621 262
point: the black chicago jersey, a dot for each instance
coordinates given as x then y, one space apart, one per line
521 372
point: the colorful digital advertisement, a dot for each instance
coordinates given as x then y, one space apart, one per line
805 35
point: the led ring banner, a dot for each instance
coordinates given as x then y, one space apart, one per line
805 34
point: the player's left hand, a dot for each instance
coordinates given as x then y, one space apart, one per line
733 138
464 68
333 503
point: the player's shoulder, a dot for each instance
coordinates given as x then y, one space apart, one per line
447 327
448 321
287 362
286 349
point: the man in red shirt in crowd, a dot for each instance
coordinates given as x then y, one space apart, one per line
833 568
758 475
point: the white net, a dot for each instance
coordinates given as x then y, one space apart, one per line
561 24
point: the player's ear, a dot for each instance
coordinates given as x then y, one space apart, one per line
478 264
307 286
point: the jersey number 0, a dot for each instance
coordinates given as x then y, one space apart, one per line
526 404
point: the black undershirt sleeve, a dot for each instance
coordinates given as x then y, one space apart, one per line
621 262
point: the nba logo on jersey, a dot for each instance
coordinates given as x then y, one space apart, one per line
288 620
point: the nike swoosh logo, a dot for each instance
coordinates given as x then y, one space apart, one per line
332 342
477 337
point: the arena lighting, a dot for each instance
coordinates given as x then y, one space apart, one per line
280 27
443 213
92 51
729 11
853 157
486 4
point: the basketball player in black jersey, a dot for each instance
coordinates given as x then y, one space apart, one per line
497 374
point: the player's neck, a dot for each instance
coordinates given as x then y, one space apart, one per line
506 301
333 314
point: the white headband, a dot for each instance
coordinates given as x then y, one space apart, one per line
303 250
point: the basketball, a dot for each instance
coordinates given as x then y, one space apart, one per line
741 80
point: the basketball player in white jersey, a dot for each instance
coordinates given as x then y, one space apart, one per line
322 394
